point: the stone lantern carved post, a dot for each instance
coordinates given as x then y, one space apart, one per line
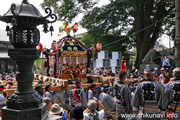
25 104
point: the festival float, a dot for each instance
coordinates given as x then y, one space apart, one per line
68 58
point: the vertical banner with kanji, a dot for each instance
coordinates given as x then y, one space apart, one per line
57 64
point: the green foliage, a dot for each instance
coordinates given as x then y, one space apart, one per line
134 21
133 58
67 10
117 17
38 64
93 38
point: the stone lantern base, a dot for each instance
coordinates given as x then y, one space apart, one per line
28 114
24 104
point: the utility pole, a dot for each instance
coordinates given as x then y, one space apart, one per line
177 38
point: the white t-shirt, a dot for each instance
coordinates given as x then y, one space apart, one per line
165 62
101 115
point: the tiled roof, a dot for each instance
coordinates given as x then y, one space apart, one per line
160 48
79 36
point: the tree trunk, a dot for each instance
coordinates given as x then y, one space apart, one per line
143 46
177 38
147 29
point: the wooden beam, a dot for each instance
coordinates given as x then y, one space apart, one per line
9 91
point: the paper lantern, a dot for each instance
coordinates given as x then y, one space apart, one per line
123 64
98 47
75 27
40 47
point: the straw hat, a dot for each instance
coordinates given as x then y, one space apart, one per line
55 109
162 69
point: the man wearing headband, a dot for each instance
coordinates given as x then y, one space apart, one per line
147 96
171 96
107 101
39 90
123 96
78 96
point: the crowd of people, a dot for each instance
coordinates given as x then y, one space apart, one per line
126 95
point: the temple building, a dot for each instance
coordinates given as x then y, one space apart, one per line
6 63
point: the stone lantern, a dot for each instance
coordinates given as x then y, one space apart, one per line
25 104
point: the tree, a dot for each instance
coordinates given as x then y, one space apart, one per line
142 20
177 38
91 38
38 64
150 13
133 58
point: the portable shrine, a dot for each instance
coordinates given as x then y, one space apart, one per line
68 58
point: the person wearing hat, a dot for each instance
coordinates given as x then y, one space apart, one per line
122 96
49 93
107 101
2 98
40 90
162 70
78 96
57 110
171 96
147 96
91 91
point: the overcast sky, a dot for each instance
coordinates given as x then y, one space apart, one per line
46 39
